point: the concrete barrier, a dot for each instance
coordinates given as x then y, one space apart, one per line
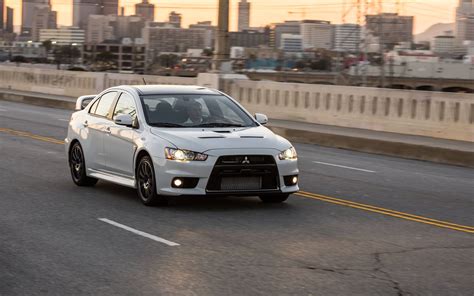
72 83
429 114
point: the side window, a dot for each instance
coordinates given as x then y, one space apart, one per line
94 106
105 103
125 105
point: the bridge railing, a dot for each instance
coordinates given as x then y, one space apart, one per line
432 114
74 84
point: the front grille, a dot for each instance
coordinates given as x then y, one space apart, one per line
236 173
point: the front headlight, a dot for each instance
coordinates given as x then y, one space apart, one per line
288 154
184 155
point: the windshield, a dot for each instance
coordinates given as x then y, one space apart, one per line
194 111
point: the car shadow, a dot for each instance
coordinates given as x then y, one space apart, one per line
194 203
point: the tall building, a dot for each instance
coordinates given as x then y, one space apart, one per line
175 19
146 10
444 44
465 21
2 16
43 18
63 35
171 39
288 27
244 15
99 29
291 42
27 13
316 34
127 26
249 38
81 10
109 7
391 28
210 32
9 21
347 37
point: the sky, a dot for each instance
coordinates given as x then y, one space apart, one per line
426 12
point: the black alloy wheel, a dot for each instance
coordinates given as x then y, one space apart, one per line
146 183
77 165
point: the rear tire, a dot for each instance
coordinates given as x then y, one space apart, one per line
146 184
274 198
77 164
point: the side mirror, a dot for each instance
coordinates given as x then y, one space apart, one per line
83 101
261 118
124 119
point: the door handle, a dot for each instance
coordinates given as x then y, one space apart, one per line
86 124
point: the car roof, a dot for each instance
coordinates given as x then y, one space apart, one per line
172 89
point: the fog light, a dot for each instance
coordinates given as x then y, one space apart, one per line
291 180
177 182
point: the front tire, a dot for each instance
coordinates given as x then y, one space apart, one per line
146 184
274 198
77 165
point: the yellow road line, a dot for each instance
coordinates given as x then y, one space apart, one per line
401 215
31 136
338 201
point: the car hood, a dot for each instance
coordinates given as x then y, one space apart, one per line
202 140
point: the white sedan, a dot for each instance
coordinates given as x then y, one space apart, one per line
178 141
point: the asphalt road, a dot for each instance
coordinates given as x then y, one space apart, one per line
53 243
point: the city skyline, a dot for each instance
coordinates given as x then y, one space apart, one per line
426 12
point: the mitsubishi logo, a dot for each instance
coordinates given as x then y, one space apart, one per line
246 160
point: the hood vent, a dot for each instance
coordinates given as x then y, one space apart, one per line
223 132
251 137
211 137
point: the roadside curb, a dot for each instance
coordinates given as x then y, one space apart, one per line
376 146
38 101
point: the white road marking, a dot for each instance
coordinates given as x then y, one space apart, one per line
345 167
63 119
144 234
3 110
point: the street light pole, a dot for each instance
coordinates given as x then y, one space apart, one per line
221 53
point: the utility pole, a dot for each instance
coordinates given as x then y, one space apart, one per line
221 53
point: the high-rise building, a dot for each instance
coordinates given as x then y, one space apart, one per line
288 27
210 34
63 35
43 18
9 22
244 15
81 10
171 39
99 29
249 38
27 13
465 21
127 26
109 7
291 42
391 28
347 37
316 34
2 16
146 10
175 19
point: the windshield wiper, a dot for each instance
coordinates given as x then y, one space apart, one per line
165 124
219 124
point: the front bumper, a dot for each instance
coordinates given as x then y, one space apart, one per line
167 170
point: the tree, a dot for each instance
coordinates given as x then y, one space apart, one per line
48 45
66 54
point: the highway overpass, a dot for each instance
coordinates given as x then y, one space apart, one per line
363 223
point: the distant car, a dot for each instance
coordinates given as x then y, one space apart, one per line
178 141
